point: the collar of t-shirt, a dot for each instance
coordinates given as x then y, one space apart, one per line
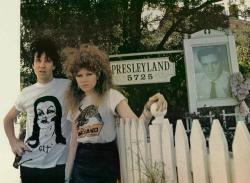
43 85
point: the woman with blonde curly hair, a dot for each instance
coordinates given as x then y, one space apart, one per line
93 106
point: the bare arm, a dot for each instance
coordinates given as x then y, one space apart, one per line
124 110
17 145
72 152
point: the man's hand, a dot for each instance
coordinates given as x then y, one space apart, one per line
18 147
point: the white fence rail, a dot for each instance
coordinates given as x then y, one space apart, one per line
170 159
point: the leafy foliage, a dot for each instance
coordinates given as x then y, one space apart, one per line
242 37
234 10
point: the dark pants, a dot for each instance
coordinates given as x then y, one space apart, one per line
47 175
96 163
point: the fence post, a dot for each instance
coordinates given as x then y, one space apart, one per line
155 131
155 142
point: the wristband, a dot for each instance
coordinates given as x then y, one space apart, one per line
147 107
67 180
146 111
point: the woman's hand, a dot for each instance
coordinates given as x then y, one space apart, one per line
161 104
160 100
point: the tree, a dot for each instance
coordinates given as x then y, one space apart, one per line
180 14
242 37
211 17
234 10
103 21
239 10
176 11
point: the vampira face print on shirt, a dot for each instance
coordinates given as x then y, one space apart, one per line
47 121
89 122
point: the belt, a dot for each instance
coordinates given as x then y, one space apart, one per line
107 145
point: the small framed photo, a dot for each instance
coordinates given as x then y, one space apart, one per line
210 60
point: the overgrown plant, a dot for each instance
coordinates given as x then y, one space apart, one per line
154 173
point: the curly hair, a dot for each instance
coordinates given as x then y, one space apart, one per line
93 59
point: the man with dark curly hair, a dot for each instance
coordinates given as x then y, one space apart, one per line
44 150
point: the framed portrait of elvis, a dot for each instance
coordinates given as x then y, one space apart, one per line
210 60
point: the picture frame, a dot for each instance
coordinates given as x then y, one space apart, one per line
210 60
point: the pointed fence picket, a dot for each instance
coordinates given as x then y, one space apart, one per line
178 162
128 150
219 156
143 151
122 149
183 161
198 154
241 154
168 152
135 152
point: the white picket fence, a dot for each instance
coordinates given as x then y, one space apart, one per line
179 162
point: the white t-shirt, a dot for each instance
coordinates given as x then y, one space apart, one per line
96 124
47 129
222 86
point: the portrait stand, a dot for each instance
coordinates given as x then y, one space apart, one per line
199 92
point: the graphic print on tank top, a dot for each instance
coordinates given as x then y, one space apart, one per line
89 122
46 125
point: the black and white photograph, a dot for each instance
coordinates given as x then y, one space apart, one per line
212 73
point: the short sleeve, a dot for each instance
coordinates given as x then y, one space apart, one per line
69 118
115 98
19 103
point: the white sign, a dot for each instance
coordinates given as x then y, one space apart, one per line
142 71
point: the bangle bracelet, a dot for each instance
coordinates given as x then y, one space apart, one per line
145 111
67 180
147 107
